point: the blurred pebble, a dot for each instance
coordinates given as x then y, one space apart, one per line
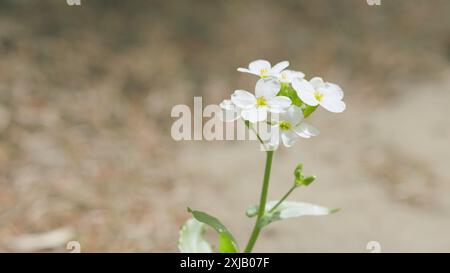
41 241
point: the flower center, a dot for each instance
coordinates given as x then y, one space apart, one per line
263 72
261 101
318 95
285 126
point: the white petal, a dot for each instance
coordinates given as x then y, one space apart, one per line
267 87
258 65
271 138
288 138
288 75
229 111
279 104
265 131
274 141
317 82
270 146
297 74
254 114
308 98
302 85
333 105
293 115
243 99
227 105
332 90
305 130
279 67
305 91
245 70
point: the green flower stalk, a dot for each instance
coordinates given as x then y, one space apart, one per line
262 203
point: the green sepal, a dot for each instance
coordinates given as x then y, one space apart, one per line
308 110
288 91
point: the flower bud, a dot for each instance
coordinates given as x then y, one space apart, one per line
308 180
298 172
300 179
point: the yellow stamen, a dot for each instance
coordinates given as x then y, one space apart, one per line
261 101
318 95
285 126
263 72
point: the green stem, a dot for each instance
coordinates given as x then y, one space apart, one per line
283 198
262 203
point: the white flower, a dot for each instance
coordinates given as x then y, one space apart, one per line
287 76
263 68
316 91
289 127
255 108
229 111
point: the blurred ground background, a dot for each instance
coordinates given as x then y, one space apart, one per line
85 100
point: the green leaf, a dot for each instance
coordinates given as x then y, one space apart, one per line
288 210
227 243
191 238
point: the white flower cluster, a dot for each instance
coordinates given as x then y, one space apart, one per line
282 100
